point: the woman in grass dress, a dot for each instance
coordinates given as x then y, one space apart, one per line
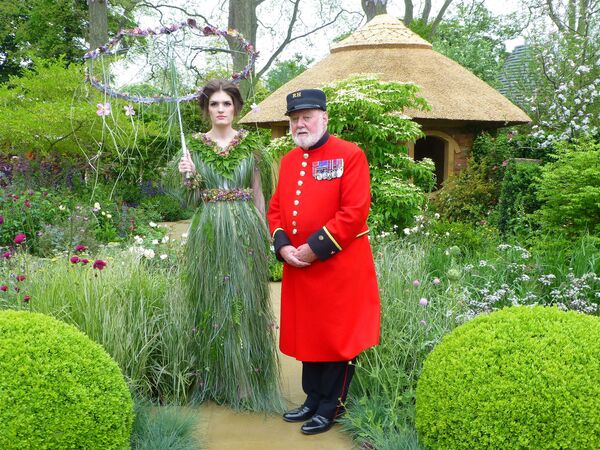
226 259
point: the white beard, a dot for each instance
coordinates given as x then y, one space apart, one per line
306 141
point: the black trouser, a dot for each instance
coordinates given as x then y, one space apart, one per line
326 385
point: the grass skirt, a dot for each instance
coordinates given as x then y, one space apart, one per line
227 282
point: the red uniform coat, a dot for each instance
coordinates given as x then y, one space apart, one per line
329 310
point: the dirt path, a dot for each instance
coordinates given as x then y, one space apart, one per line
221 428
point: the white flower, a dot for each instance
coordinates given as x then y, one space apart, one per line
62 207
103 213
165 239
97 206
184 236
152 224
164 256
436 216
406 231
109 216
138 240
154 241
149 253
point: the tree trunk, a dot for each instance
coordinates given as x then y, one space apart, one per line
242 17
373 8
439 17
426 11
408 12
98 30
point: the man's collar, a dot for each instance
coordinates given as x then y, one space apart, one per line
320 142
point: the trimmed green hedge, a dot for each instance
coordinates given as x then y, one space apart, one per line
519 378
58 388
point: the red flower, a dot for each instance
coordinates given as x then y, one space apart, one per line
84 261
6 255
80 248
27 204
17 288
20 277
4 288
26 299
74 259
19 238
99 264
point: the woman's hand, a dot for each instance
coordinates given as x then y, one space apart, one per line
186 165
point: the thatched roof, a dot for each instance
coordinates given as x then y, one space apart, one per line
384 46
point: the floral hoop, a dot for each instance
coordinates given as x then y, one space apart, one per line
208 30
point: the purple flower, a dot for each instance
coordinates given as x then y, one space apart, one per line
103 109
19 238
20 277
416 283
423 301
74 259
80 248
84 261
436 281
99 264
129 111
26 299
1 220
6 255
4 288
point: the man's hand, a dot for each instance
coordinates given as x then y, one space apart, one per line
305 253
289 254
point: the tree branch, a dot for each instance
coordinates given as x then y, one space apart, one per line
439 17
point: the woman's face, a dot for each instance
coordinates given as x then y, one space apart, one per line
221 109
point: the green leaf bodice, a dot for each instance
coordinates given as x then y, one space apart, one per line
227 168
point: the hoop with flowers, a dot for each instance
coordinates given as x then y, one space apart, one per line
207 30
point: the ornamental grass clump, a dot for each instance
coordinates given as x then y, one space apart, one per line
58 389
519 378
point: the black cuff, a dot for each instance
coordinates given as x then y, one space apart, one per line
280 239
323 244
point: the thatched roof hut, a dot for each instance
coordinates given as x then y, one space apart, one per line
461 104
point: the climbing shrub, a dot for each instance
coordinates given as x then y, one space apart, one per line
58 389
518 378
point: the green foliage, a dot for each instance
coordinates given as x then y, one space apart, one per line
58 388
474 38
283 71
569 189
49 29
275 268
159 428
502 380
168 208
518 196
472 195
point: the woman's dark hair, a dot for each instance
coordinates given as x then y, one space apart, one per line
221 85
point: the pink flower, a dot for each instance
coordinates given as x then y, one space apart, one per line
99 264
505 163
436 281
19 238
20 277
129 111
4 288
80 248
17 288
26 299
6 255
1 220
416 283
103 109
84 261
74 259
423 301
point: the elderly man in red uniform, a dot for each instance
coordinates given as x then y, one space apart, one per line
329 294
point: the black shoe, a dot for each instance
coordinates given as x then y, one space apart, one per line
339 413
299 414
318 424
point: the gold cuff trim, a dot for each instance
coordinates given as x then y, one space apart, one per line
363 233
332 238
275 231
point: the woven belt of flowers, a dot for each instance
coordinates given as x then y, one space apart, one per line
226 195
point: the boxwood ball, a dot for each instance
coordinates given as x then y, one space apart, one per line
518 378
58 388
